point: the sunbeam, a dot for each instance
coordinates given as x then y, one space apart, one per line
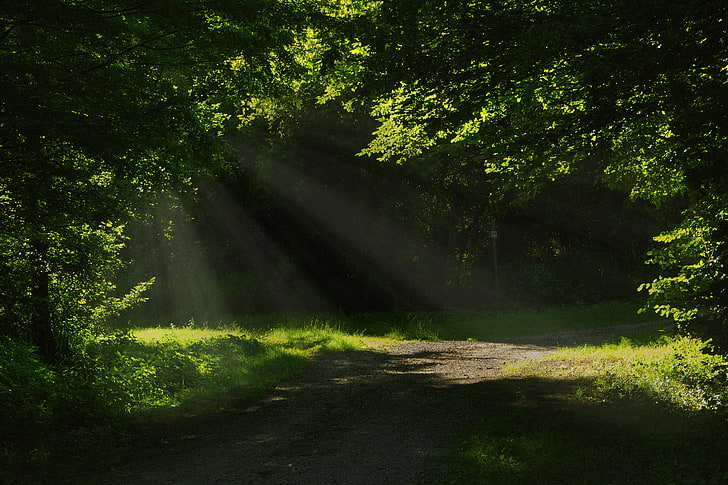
185 270
360 234
257 252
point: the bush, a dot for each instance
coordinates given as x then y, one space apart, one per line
33 396
133 375
27 388
693 256
687 375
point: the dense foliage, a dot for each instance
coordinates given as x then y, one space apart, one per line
628 95
104 105
539 146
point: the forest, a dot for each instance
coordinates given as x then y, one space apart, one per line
204 161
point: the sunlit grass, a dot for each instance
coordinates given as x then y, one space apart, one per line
198 366
585 361
679 371
314 336
647 411
314 339
185 335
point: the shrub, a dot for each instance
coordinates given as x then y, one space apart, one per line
33 396
686 375
27 388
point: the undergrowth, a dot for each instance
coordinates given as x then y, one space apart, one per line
139 376
679 371
651 411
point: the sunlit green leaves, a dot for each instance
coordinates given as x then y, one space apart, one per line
618 93
106 106
404 117
694 257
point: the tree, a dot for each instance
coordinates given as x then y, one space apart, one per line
104 105
630 95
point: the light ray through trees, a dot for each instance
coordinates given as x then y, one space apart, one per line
254 249
373 241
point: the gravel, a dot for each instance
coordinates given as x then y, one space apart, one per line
384 416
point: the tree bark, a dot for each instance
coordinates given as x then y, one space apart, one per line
41 330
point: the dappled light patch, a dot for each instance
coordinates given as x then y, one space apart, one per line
313 339
676 370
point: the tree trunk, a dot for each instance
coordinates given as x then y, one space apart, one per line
41 331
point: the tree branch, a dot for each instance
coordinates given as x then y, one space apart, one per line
129 49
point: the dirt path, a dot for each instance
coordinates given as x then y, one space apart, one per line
365 417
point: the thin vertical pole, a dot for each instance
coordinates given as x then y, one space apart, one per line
494 239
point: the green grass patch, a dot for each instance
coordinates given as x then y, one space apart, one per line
54 420
169 367
680 371
647 411
535 433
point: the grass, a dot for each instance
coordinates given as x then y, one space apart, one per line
679 371
162 379
649 411
231 363
541 436
445 325
143 383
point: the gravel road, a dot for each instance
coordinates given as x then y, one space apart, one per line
365 417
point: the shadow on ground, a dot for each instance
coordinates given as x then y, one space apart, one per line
435 412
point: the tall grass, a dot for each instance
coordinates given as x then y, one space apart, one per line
679 371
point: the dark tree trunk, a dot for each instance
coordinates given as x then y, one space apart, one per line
41 331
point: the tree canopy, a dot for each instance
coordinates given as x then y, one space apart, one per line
105 104
629 95
481 111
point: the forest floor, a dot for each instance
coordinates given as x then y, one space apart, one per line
386 415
